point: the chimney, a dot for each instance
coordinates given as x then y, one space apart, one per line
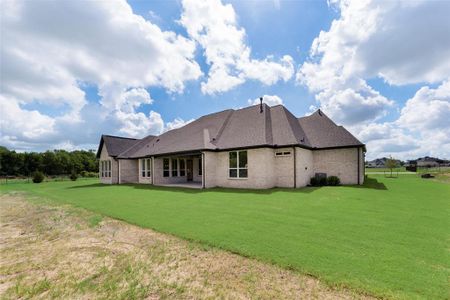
260 104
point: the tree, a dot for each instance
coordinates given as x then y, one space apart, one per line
56 162
391 164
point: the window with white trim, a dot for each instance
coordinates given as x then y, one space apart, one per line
105 168
238 164
166 167
174 167
146 167
182 167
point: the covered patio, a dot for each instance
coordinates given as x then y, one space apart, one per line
179 170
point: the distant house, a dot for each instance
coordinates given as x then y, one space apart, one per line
428 162
380 163
377 163
254 147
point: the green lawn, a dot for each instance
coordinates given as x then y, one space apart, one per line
371 170
388 238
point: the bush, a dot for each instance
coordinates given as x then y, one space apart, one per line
89 174
333 180
322 181
314 181
38 177
73 176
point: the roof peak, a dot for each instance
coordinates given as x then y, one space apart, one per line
118 137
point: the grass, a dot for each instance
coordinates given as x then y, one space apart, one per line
388 238
420 170
51 251
371 170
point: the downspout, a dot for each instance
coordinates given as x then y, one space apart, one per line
118 170
295 169
203 171
359 180
153 170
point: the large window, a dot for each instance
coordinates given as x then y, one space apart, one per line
182 167
105 168
238 164
174 167
166 167
146 167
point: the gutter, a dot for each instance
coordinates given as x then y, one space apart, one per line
196 152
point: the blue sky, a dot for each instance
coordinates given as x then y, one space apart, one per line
72 71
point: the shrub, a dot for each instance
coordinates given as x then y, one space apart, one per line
38 177
89 174
314 181
333 180
322 181
73 176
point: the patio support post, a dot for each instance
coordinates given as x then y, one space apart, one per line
203 170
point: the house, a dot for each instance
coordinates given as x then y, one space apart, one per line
377 163
254 147
427 162
381 163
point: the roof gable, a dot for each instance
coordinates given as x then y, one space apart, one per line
115 144
322 132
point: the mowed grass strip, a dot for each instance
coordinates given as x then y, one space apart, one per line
388 237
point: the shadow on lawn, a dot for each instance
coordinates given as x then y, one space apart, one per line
369 183
195 191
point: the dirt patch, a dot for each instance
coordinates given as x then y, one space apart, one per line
62 252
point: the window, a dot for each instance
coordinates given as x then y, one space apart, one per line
166 171
149 166
146 167
105 168
174 167
182 167
281 153
200 169
238 164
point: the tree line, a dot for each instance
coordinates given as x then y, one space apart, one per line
55 162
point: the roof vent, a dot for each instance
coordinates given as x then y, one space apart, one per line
320 112
260 105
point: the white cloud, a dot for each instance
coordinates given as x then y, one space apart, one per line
49 49
214 27
401 42
423 127
429 109
23 125
270 100
176 123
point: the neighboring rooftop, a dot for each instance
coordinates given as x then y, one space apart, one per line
230 129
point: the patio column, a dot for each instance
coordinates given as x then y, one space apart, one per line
203 170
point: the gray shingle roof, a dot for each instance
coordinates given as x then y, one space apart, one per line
322 132
115 144
247 127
